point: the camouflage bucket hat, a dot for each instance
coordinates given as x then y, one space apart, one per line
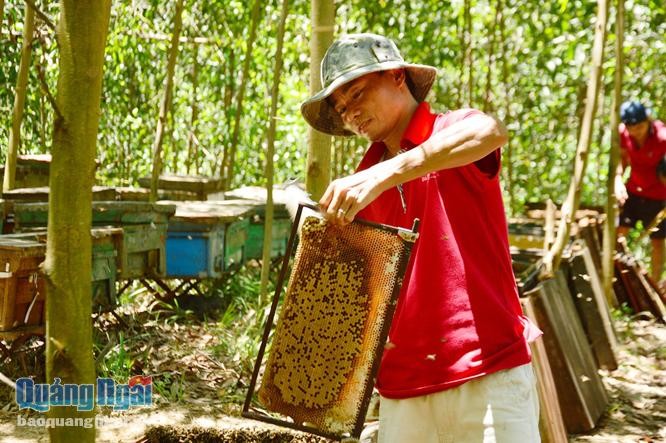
351 57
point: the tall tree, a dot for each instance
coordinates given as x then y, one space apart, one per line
2 14
192 141
570 206
19 99
468 51
614 157
228 159
81 34
318 169
270 151
165 105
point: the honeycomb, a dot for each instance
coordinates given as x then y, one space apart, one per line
332 324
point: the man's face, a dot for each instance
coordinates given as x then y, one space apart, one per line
639 131
368 105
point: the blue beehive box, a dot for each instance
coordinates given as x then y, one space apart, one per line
206 239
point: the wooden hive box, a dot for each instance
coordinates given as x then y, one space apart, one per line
206 239
281 228
104 213
22 291
582 396
31 170
105 242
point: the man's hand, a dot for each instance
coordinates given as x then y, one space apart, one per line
620 190
346 196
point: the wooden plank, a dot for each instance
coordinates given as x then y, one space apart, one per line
588 232
189 214
551 423
41 194
592 307
582 395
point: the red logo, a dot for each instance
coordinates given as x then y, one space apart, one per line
140 379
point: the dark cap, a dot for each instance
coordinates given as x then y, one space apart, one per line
632 112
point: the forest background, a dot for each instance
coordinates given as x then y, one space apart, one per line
526 62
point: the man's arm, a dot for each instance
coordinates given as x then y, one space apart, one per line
460 144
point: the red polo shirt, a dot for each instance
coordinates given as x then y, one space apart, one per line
643 180
458 315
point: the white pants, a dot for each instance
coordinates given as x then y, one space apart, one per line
502 407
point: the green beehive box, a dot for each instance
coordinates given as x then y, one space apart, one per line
104 273
142 253
281 221
117 213
280 236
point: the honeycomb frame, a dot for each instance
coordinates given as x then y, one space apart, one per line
334 321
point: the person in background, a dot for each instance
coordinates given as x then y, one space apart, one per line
642 148
457 365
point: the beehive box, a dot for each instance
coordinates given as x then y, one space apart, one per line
142 252
31 170
334 322
104 213
198 185
281 221
22 291
205 239
104 244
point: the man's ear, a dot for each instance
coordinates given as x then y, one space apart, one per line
400 76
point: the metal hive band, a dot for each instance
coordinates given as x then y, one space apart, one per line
333 322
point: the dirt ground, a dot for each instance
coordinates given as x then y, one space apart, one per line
637 389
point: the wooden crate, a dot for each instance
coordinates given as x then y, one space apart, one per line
22 291
582 396
205 239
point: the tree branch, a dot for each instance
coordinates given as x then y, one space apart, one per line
47 92
43 17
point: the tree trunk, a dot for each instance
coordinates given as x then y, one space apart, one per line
228 160
318 170
570 206
2 14
508 149
491 56
468 52
192 143
19 100
614 157
165 106
270 150
81 33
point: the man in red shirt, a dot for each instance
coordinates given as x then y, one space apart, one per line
457 363
643 147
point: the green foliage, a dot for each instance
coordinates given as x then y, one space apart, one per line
529 67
